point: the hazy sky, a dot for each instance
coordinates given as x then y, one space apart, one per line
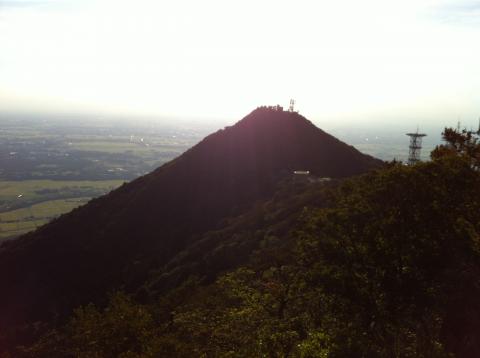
412 59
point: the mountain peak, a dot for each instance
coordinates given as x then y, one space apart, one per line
276 140
116 239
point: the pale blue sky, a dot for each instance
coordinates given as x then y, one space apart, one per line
375 60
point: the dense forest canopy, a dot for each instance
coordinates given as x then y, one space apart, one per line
382 265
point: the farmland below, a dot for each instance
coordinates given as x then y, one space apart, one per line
26 205
49 166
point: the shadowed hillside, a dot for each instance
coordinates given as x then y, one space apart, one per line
114 241
385 264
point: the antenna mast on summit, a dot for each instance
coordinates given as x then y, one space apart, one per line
415 147
291 108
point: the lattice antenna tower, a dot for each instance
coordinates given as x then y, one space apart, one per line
415 147
291 108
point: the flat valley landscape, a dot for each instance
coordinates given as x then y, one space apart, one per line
50 166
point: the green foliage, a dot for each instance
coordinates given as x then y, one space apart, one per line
123 329
243 315
384 265
464 144
389 255
316 345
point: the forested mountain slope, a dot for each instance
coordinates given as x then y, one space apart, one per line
117 240
382 265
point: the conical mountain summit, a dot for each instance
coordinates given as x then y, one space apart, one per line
115 240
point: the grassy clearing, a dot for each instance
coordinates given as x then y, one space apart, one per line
45 210
26 205
15 194
20 221
27 187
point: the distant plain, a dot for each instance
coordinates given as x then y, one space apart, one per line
50 166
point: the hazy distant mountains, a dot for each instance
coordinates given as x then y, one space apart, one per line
116 240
